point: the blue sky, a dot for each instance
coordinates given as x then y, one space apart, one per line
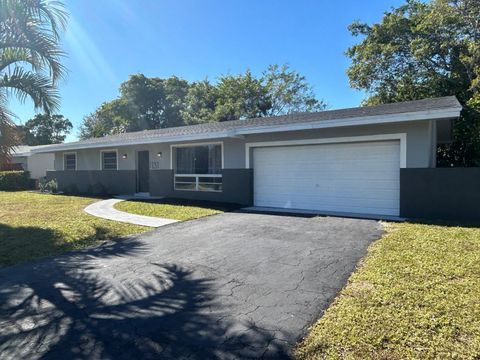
109 39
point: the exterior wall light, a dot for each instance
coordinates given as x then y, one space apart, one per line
124 156
159 155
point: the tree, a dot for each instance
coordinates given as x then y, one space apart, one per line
29 34
241 97
157 102
92 126
422 50
200 103
114 117
45 129
144 103
154 103
289 92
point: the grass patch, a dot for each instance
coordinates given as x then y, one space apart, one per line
34 225
174 209
415 296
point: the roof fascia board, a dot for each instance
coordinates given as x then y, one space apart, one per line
447 113
364 120
163 139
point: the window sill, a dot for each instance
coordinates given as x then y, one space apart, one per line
201 191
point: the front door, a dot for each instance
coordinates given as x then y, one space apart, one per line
143 171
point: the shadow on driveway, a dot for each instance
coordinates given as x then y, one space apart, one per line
64 308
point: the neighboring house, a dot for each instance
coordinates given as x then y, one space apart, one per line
36 163
340 161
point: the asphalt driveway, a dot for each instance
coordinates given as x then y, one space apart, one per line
229 286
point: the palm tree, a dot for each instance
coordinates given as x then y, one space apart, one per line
30 57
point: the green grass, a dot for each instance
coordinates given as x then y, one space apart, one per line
415 296
34 225
173 209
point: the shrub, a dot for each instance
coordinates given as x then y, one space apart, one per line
48 187
42 182
15 180
52 186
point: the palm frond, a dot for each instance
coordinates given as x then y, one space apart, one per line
29 35
45 53
45 13
38 87
52 13
15 56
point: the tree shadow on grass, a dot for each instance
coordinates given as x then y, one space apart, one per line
24 243
91 304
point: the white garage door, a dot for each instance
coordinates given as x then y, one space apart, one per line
359 177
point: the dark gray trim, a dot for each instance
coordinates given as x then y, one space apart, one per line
97 182
451 194
161 183
237 187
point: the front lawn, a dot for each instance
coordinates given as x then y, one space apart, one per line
174 209
415 296
34 225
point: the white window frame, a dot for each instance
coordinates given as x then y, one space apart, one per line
101 158
63 160
402 137
197 181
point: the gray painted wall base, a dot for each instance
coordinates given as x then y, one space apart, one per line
451 194
97 182
237 187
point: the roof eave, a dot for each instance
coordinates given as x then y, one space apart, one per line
450 113
446 113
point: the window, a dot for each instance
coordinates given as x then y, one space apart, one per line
70 161
109 160
203 159
198 168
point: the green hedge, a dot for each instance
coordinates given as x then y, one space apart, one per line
14 180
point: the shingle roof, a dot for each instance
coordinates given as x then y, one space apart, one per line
297 118
25 150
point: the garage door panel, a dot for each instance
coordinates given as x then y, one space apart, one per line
341 201
331 191
354 177
378 209
382 209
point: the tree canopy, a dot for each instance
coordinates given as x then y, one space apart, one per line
30 60
420 50
45 129
153 103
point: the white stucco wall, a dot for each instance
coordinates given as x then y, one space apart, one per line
39 164
36 164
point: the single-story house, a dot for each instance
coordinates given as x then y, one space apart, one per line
24 158
339 161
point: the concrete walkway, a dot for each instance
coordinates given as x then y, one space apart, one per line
104 209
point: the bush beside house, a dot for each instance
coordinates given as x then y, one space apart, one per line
15 180
48 186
